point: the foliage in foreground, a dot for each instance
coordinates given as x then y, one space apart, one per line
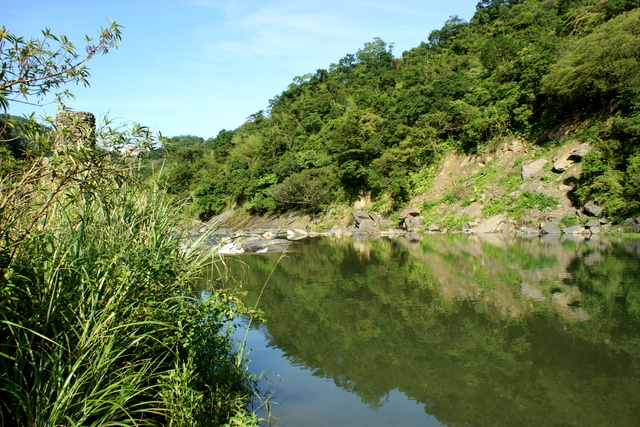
100 323
101 320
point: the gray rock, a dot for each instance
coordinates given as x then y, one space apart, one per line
256 245
366 224
550 229
592 223
591 209
580 151
411 223
533 168
561 165
362 215
574 237
576 229
490 225
528 230
595 230
409 212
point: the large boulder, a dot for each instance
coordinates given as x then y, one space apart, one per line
411 223
409 212
369 226
533 168
368 222
592 209
263 245
550 229
576 229
580 151
360 215
410 219
563 163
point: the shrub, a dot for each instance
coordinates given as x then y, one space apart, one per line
310 189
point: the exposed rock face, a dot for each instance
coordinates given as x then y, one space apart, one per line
462 174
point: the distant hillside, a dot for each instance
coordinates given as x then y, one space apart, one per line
378 127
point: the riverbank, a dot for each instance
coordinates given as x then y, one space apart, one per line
514 189
260 240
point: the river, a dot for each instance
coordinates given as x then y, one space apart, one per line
447 330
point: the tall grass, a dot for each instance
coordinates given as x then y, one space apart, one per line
100 321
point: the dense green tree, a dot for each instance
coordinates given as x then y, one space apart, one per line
601 68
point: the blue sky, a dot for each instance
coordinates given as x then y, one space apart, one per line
199 66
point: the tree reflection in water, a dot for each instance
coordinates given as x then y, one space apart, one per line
479 331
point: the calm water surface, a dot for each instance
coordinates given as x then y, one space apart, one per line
448 330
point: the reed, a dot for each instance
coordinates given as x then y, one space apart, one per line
100 321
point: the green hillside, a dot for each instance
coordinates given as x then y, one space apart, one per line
377 124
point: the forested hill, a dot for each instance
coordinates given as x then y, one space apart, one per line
377 123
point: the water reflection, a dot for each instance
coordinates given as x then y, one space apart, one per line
477 331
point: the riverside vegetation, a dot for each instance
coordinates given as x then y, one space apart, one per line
102 319
378 127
